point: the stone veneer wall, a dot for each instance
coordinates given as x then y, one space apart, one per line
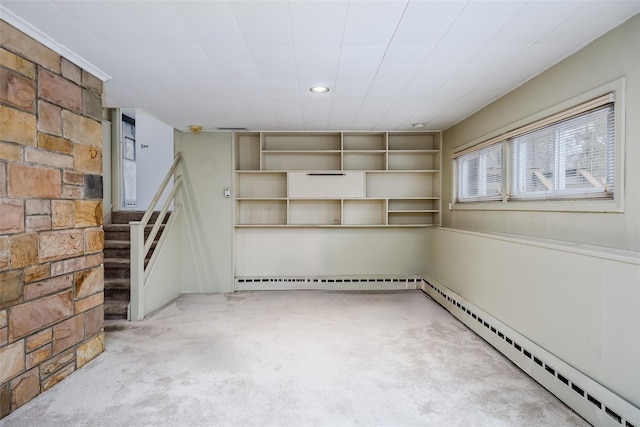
51 237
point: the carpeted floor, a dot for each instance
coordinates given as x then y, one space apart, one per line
297 358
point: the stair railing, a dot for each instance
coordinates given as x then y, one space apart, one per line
140 247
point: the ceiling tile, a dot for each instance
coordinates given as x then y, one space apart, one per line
209 21
316 23
362 55
397 71
418 90
276 72
491 9
614 12
473 30
351 91
371 22
250 63
272 55
384 90
356 73
157 21
318 56
426 22
551 9
525 30
407 53
282 90
574 31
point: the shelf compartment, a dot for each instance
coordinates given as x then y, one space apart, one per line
414 141
363 212
331 185
355 160
408 205
411 218
261 185
302 141
413 160
314 212
297 161
364 141
261 212
247 151
400 185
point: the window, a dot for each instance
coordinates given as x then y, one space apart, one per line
569 155
480 174
568 159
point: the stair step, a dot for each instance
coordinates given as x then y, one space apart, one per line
124 217
117 289
123 231
115 309
117 284
117 264
123 244
117 268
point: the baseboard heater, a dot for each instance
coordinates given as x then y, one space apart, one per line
592 401
328 283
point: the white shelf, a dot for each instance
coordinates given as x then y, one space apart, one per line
297 160
364 160
314 212
261 185
337 179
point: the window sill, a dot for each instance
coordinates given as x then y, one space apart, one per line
587 206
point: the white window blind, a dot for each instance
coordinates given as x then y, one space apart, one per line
568 155
480 174
571 158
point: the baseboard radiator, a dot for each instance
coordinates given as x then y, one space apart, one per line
592 401
350 283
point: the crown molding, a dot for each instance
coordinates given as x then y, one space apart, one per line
14 20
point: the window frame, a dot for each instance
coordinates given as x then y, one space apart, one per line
501 136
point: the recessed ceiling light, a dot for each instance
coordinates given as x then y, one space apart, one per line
418 125
319 89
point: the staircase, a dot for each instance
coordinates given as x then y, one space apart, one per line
117 260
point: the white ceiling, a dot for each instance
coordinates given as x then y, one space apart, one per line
250 64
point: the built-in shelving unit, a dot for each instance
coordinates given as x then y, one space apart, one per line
337 179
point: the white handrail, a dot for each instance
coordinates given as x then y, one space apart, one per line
163 186
140 247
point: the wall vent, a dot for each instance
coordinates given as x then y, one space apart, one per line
591 400
327 283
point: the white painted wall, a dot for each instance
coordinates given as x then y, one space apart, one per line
154 156
207 251
582 304
607 59
308 252
582 308
166 266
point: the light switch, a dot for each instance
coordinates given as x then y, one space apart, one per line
227 192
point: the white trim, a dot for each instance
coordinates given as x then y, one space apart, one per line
14 20
600 252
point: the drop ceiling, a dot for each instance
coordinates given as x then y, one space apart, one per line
250 64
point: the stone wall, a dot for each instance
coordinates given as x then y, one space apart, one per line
51 237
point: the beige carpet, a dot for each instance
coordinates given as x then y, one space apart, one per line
297 358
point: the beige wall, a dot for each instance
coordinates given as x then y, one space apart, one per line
208 227
581 301
613 56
